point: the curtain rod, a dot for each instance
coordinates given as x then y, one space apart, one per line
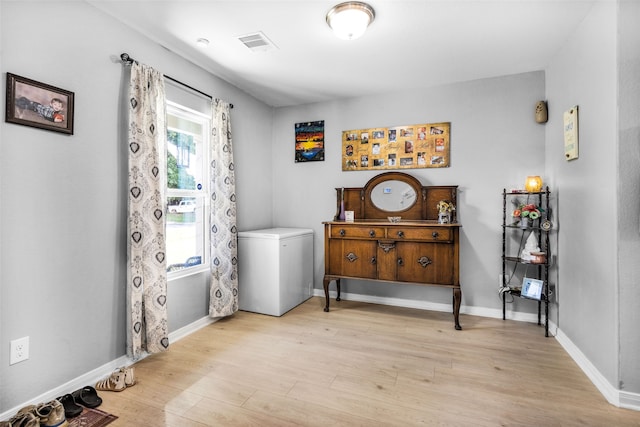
129 60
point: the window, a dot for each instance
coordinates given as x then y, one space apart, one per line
187 189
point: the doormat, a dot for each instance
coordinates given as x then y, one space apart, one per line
91 418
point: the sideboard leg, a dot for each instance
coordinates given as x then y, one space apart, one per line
338 289
457 299
325 284
504 307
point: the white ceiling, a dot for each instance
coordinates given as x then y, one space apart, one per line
411 44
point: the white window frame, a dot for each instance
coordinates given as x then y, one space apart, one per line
178 110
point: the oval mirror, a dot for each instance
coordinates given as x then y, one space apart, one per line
393 196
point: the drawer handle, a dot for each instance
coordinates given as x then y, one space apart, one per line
342 232
400 233
434 234
351 257
372 233
424 261
400 261
373 260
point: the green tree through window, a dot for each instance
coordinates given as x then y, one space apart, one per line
178 177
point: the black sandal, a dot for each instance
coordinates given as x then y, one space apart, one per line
71 408
87 396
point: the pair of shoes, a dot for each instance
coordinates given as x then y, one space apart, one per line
118 381
87 397
71 408
49 414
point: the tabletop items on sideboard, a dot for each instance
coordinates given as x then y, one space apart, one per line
401 232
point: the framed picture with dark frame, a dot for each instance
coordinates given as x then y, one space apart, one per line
35 104
309 141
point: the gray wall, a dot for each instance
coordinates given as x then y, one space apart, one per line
597 69
63 247
495 143
629 193
588 274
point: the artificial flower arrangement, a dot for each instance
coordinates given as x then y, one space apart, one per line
445 206
445 211
527 211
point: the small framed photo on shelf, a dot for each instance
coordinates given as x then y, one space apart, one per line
531 288
35 104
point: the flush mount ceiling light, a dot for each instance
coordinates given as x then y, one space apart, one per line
349 20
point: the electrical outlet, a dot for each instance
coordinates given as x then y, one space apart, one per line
19 350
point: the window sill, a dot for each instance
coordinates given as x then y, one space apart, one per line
174 275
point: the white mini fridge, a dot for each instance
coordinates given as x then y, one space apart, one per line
275 269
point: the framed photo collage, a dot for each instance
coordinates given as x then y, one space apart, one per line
399 147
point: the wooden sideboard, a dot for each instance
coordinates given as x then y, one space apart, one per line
416 250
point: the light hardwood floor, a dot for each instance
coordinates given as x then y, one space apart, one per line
363 365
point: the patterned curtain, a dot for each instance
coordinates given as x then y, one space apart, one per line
147 328
224 236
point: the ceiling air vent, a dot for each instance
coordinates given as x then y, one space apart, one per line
257 42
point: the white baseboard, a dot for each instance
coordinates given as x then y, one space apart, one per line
601 383
90 378
614 396
630 400
177 335
101 372
432 306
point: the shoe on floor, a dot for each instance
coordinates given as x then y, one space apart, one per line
71 408
27 419
115 382
45 415
51 414
129 376
87 397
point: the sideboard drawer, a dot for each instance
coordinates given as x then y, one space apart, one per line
359 232
425 234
